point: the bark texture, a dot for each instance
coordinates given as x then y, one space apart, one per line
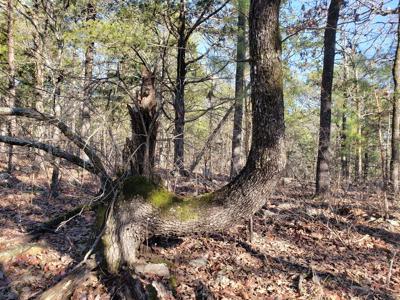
344 149
395 158
179 101
140 149
323 161
144 208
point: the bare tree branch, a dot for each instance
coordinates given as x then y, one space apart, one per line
50 149
67 131
203 18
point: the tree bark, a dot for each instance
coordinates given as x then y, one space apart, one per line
247 121
207 171
344 158
145 209
39 42
179 101
382 151
239 89
55 177
140 150
395 157
359 147
366 165
11 94
323 160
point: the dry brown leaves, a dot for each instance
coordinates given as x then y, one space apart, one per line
302 248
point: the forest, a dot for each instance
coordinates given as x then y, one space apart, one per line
199 149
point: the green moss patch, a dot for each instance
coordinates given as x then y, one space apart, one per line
170 204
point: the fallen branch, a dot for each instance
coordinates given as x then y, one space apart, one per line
50 149
97 165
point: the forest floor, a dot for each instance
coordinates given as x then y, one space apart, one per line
302 247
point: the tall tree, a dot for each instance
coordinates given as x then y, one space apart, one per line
239 88
395 158
39 35
323 160
38 54
184 30
11 76
344 155
179 100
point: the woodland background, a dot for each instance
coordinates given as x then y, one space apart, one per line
82 62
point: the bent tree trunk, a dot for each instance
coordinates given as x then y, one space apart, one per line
144 208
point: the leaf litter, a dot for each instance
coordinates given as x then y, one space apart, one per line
302 248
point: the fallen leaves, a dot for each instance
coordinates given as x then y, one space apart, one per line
302 248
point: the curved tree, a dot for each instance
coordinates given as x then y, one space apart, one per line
142 208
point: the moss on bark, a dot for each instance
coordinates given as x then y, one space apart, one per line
169 204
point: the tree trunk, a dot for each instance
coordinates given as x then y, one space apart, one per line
140 150
343 137
144 209
89 56
11 95
247 121
39 44
323 160
366 165
358 162
344 149
239 89
395 158
38 53
179 101
382 151
55 178
207 173
388 148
